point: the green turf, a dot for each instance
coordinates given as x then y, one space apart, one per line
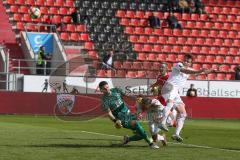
43 137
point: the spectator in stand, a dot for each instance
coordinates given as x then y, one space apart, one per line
192 92
40 60
199 7
171 5
154 21
184 6
173 21
108 60
237 73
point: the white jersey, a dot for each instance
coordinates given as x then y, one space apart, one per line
177 78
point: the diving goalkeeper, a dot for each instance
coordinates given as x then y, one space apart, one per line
119 113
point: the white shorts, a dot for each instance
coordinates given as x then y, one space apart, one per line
154 128
174 96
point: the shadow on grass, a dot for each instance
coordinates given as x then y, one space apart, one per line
85 139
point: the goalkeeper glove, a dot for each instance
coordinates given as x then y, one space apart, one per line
118 124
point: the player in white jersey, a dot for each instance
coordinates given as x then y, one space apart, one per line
153 108
170 92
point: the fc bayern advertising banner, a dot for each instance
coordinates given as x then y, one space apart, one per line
226 89
37 40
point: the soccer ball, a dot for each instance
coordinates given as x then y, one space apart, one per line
35 13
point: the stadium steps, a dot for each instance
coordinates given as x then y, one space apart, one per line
8 39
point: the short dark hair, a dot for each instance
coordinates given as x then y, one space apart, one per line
102 83
188 56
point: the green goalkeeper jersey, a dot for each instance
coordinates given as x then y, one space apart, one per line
115 102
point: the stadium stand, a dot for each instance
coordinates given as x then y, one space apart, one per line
212 38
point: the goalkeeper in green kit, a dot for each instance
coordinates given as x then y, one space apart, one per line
119 113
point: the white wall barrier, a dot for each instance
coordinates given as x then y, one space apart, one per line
227 89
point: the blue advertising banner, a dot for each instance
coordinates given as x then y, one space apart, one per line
37 40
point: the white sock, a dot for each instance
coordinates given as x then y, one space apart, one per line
180 122
166 112
160 138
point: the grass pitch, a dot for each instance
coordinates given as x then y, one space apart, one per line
45 137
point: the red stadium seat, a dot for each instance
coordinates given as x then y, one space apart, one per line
232 34
120 13
59 3
117 64
233 51
139 14
152 39
156 66
147 65
134 22
227 26
127 65
158 32
223 50
17 17
211 76
125 21
208 66
177 32
152 57
224 68
219 59
141 56
172 40
186 49
64 36
19 26
204 33
84 37
195 33
20 2
121 73
200 41
139 30
70 28
227 42
162 40
80 28
136 65
40 2
131 74
141 74
157 48
148 30
162 57
172 57
196 66
138 47
218 42
88 45
190 41
167 32
209 41
176 49
101 73
63 11
181 40
229 59
69 3
221 76
147 48
200 58
133 38
74 37
129 14
210 59
129 30
204 50
49 3
29 2
186 32
236 43
143 39
167 48
23 9
196 49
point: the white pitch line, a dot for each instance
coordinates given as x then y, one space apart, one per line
182 144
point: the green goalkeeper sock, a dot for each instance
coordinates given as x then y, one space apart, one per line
140 131
135 137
